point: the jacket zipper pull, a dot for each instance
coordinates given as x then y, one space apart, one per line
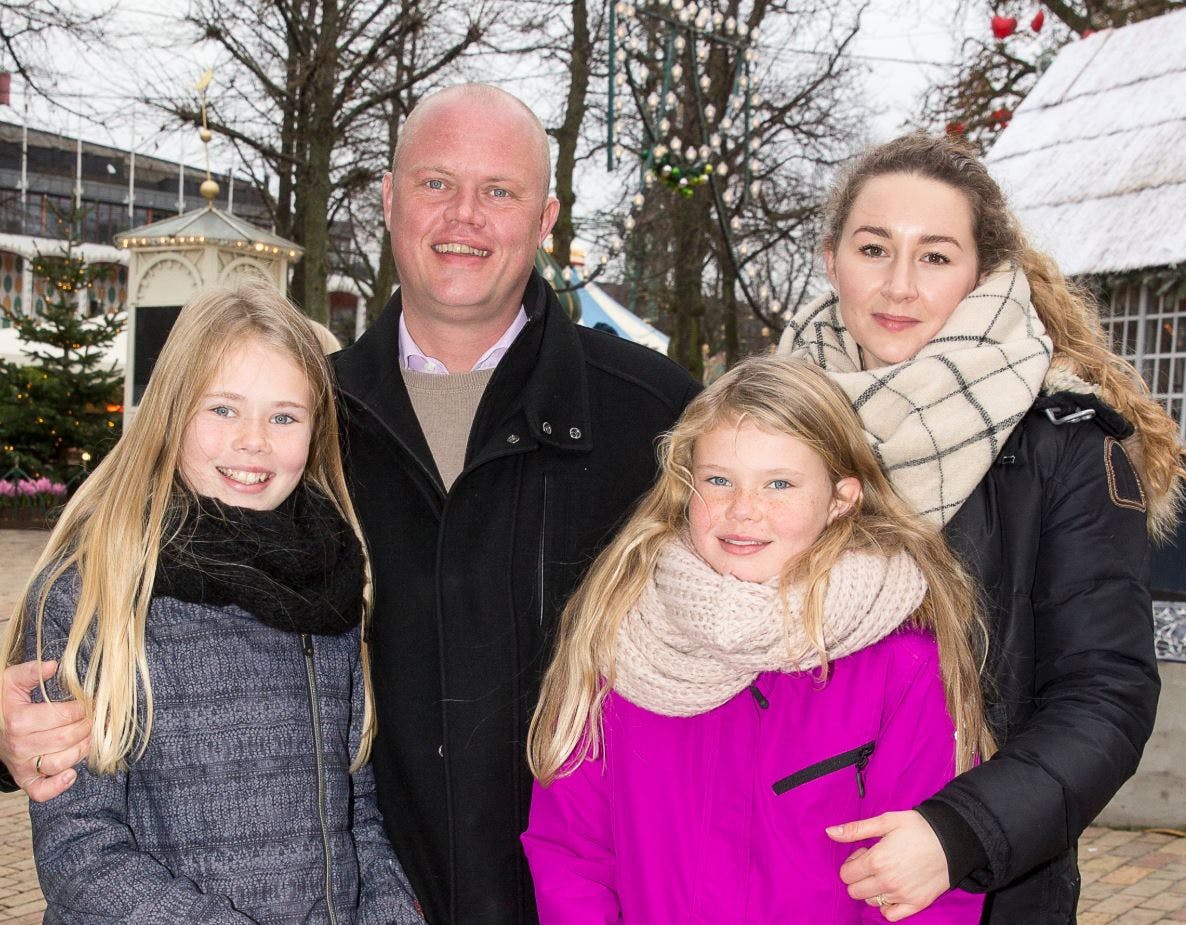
862 761
307 643
759 696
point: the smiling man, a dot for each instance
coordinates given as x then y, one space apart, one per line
492 446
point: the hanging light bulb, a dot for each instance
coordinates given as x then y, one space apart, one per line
764 293
653 100
680 43
602 260
660 150
710 112
705 83
692 154
714 141
629 223
620 56
742 29
756 100
702 51
730 25
722 168
726 123
638 200
755 143
684 15
618 152
671 99
648 178
676 145
566 274
620 32
664 126
549 273
677 71
743 82
633 44
620 79
735 223
717 18
776 307
677 4
755 187
727 197
615 244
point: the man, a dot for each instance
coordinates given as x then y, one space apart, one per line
492 447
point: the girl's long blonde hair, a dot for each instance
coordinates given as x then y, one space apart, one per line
784 397
113 528
1068 311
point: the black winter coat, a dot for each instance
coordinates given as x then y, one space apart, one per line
1056 534
469 584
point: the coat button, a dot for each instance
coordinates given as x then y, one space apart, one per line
441 750
546 427
512 439
575 433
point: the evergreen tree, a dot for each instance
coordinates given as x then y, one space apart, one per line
59 412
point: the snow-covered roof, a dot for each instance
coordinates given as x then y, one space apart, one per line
207 224
1094 159
29 246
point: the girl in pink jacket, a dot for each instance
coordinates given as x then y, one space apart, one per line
773 642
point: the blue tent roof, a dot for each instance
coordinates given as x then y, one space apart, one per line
600 310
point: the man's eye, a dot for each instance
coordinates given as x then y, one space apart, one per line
499 193
435 183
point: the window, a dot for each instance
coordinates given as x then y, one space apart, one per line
1149 330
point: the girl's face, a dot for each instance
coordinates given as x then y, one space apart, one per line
248 442
905 259
761 499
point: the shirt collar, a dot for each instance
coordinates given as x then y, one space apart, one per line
413 358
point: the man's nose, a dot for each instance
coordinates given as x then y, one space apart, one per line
466 207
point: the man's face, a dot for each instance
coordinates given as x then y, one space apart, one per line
467 207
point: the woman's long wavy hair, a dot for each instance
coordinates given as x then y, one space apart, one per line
1068 311
113 528
783 397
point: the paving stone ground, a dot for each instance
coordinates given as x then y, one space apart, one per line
1129 878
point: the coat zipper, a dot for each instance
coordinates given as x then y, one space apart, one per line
855 757
319 753
543 529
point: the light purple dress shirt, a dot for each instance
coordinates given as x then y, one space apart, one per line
413 358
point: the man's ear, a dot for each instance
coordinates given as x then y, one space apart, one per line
548 218
388 198
845 497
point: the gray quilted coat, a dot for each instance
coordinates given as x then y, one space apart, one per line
242 809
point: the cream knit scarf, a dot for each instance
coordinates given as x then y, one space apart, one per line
696 638
938 420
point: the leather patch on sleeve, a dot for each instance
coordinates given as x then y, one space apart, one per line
1123 484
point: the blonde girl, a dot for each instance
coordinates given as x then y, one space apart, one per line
772 638
203 597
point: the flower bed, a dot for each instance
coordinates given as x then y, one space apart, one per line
30 504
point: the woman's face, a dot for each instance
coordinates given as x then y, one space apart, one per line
904 260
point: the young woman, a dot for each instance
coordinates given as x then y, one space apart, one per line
764 645
987 390
204 596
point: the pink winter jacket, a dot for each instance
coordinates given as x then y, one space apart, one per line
719 818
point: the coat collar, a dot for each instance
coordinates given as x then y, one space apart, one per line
537 395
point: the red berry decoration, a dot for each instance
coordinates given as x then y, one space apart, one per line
956 127
1000 118
1086 33
1003 27
1038 21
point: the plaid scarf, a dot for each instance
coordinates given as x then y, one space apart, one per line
938 420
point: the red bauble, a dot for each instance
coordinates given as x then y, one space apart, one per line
956 127
1038 21
1000 117
1086 33
1003 27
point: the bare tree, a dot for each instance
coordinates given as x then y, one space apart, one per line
28 29
312 79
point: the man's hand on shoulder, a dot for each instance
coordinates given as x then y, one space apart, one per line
40 742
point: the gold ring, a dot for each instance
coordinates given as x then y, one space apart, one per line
37 767
881 901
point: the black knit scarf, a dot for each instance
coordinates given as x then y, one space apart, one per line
298 568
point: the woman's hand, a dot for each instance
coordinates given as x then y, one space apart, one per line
42 741
906 870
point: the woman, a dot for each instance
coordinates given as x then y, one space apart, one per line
985 386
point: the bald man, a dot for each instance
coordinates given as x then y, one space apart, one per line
492 447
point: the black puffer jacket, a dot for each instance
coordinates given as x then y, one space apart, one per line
468 585
1056 532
